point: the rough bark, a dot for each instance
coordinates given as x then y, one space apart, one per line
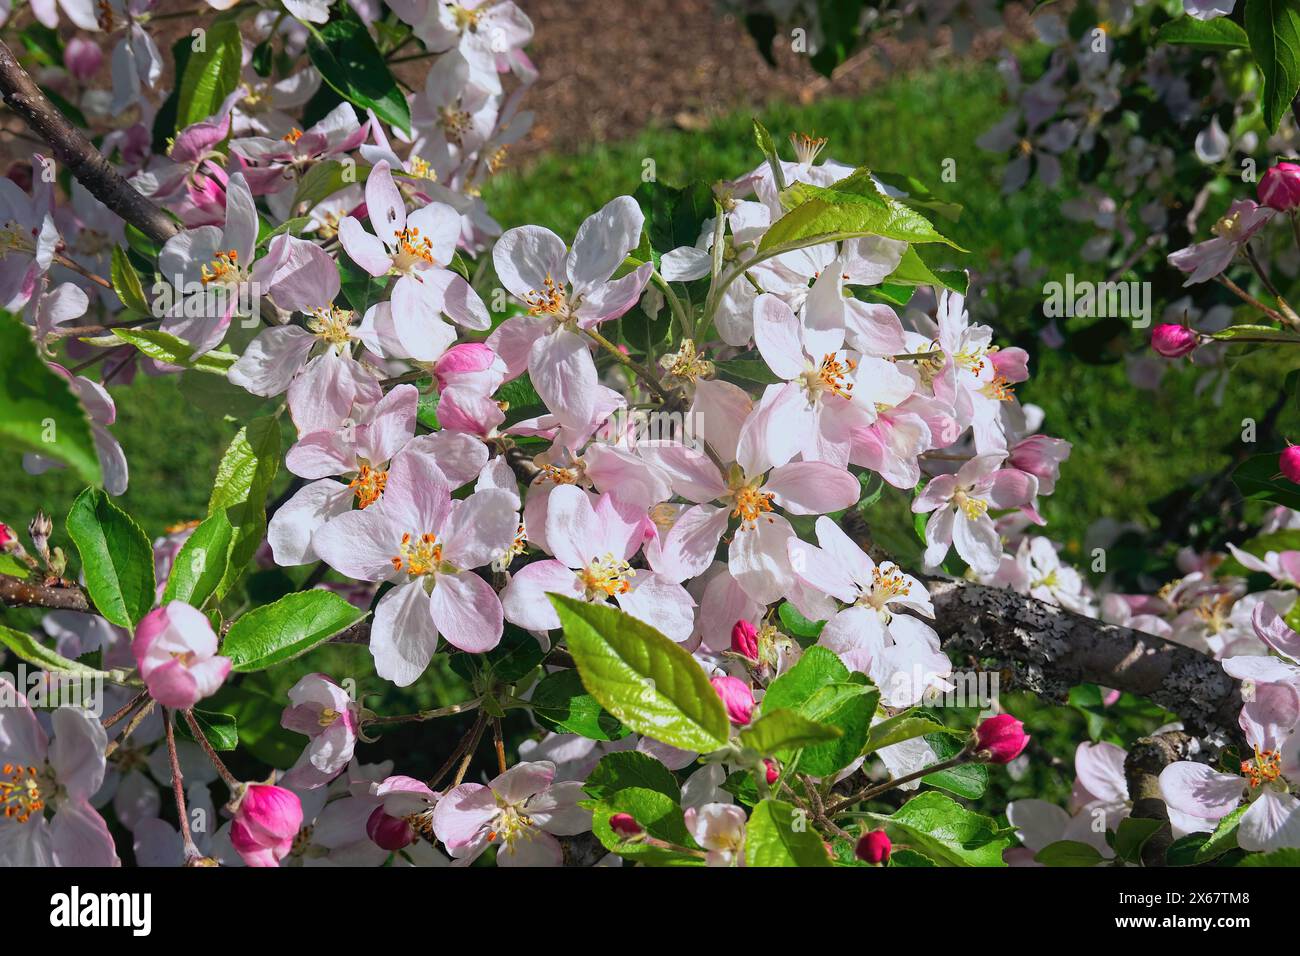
1048 650
1146 758
78 154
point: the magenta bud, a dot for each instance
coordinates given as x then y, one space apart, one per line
737 697
624 825
389 832
6 536
772 771
874 847
1173 341
83 58
1000 739
744 640
1279 187
1289 462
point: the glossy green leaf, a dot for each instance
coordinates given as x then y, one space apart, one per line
641 677
286 629
779 834
39 411
116 558
201 562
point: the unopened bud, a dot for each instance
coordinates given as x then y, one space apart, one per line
874 847
737 697
744 640
1000 739
624 825
1279 187
1173 341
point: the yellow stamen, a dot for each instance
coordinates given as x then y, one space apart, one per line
606 576
20 792
418 556
368 486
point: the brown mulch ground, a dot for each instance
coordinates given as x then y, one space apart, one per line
610 68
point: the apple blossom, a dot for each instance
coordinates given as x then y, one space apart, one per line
176 651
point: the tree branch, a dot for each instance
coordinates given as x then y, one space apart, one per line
1146 758
74 150
15 592
1049 650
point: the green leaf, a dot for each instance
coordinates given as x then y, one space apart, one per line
1259 478
820 688
918 195
27 648
968 780
1273 27
201 562
768 148
780 835
945 831
287 629
620 771
1131 835
1068 853
847 705
221 730
851 207
913 270
797 624
1224 837
563 705
900 727
641 677
674 216
243 480
816 668
655 812
1217 34
126 283
116 558
784 729
324 179
170 350
209 76
348 60
1256 333
39 412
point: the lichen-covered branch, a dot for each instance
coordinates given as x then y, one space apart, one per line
1049 650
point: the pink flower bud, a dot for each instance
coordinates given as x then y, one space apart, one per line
737 697
744 640
83 58
387 832
1000 739
6 536
624 825
1173 341
874 847
1279 188
1289 462
265 824
773 771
